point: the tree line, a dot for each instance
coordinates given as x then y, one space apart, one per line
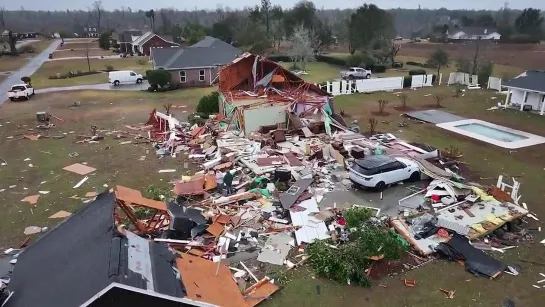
407 22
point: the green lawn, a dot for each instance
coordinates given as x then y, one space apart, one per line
12 63
115 164
318 71
40 79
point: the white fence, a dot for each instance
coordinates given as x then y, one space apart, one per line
346 87
421 81
494 84
463 79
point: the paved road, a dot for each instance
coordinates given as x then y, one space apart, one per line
27 70
104 87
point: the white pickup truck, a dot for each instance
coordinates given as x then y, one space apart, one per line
21 91
356 73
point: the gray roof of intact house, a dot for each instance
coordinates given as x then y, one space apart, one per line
83 255
530 80
476 30
208 52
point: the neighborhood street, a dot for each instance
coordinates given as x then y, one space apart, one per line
31 67
104 86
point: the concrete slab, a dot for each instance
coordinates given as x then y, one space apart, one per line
434 116
371 198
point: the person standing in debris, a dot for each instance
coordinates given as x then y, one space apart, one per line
219 181
228 182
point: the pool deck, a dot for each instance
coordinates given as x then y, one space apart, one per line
531 139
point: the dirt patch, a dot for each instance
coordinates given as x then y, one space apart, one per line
403 109
433 106
527 56
383 114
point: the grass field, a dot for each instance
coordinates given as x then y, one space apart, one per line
317 71
12 63
500 71
40 79
59 54
79 45
115 163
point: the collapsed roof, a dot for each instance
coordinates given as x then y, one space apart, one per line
257 92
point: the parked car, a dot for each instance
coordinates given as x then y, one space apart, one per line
124 76
356 73
21 91
382 170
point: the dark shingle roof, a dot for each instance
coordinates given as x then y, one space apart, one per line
85 254
208 52
68 265
531 80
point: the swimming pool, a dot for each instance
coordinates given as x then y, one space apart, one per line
494 134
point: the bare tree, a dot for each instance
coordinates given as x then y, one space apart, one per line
382 105
86 51
97 13
438 99
373 122
301 50
403 98
2 20
12 40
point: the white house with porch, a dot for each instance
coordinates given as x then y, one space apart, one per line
527 91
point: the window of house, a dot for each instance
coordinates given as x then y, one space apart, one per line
182 76
201 75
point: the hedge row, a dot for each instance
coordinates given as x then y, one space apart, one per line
407 81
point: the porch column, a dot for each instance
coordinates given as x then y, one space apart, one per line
524 97
508 98
542 105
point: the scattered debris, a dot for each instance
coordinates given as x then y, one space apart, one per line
60 215
79 169
32 199
80 182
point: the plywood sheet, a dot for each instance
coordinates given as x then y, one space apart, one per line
131 196
60 215
201 283
32 199
79 169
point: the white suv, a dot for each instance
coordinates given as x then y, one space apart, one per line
382 170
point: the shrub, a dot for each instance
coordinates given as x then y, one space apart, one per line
279 58
413 72
209 104
158 77
26 80
73 74
109 68
331 60
197 118
378 68
26 49
170 87
142 62
407 81
520 39
382 105
397 65
415 64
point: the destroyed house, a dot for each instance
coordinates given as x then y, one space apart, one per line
86 261
256 92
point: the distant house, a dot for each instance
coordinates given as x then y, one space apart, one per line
527 91
125 39
197 65
148 40
90 31
474 33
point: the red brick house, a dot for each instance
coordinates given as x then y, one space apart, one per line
149 40
197 65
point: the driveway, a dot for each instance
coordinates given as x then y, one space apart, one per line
104 87
30 68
